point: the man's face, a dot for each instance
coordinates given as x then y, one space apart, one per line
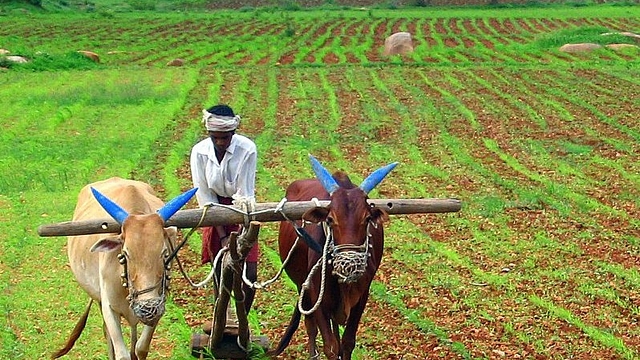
221 139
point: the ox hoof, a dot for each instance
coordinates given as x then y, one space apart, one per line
227 349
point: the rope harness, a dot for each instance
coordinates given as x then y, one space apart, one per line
148 310
349 264
349 261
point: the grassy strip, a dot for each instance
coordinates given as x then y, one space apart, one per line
602 337
94 133
565 94
380 292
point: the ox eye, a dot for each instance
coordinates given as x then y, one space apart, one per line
330 221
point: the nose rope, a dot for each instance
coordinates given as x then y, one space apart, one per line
322 262
133 293
163 283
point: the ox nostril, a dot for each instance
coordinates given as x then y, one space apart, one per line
390 205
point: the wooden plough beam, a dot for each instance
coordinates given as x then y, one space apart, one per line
223 215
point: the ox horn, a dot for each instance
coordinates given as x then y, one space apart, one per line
116 212
175 204
376 177
322 174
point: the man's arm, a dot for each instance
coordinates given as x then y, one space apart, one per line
247 177
204 195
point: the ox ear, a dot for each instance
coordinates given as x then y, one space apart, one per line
316 215
172 233
327 181
175 204
108 244
379 215
376 177
113 209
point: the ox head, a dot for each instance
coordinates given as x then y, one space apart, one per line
351 220
144 244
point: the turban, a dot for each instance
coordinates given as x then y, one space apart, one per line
215 122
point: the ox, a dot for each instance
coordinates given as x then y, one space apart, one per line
126 273
333 282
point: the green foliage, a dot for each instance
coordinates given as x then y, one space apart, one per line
576 149
421 3
142 4
580 35
41 61
289 5
579 3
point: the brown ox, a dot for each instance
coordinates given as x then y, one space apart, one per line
334 279
126 273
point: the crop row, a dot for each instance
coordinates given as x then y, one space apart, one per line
231 41
542 164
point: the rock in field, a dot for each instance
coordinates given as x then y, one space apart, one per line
398 43
581 47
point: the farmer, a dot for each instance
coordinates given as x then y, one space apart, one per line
223 168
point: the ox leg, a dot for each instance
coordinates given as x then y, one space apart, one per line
114 329
312 334
144 343
110 350
336 332
331 346
105 331
349 335
134 340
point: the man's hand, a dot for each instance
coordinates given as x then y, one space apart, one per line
224 241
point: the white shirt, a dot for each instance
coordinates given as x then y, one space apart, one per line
236 175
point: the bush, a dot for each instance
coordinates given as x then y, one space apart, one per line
41 61
142 4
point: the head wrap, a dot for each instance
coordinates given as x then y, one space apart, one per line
215 122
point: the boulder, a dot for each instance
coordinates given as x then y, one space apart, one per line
621 46
398 43
580 47
623 33
17 59
91 55
176 62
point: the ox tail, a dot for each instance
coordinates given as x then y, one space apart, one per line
75 334
288 334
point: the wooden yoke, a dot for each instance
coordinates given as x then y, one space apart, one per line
264 212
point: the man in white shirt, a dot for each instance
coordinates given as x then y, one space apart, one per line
223 166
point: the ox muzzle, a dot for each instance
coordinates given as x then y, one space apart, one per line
150 309
349 261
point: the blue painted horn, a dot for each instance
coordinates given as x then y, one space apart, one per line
327 181
119 214
175 204
376 177
368 184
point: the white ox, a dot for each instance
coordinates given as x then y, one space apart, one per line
126 273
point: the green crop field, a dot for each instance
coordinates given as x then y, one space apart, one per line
542 147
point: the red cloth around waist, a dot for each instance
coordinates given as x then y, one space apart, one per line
211 241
